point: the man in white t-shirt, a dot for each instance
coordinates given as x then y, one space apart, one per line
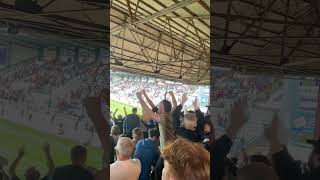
125 168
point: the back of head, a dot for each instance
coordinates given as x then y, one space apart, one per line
167 106
153 133
134 110
257 171
32 174
137 133
115 130
78 155
183 165
124 147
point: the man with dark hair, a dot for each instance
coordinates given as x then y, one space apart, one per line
130 122
77 169
147 152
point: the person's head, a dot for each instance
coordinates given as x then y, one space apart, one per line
154 135
120 116
165 106
137 133
124 148
115 130
78 155
32 174
189 121
314 157
134 110
180 162
256 171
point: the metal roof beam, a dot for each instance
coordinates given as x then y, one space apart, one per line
155 15
266 20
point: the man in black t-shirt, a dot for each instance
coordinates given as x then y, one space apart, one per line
192 124
77 169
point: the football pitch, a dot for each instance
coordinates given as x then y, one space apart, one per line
119 105
13 136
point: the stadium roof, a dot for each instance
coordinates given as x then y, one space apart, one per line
279 37
169 39
81 21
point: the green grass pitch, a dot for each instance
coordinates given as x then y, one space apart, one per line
13 136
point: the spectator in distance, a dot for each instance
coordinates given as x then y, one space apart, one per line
130 122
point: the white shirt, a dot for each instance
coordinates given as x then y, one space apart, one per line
125 170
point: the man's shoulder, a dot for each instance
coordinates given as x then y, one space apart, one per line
132 116
135 162
131 162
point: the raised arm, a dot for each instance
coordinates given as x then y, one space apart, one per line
125 111
148 99
148 114
223 144
177 112
15 163
50 163
237 118
199 115
114 114
284 164
102 126
174 100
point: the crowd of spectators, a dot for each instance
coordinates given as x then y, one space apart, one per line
162 143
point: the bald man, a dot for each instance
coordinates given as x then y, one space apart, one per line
125 168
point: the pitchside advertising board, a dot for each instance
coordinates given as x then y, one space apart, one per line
294 100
